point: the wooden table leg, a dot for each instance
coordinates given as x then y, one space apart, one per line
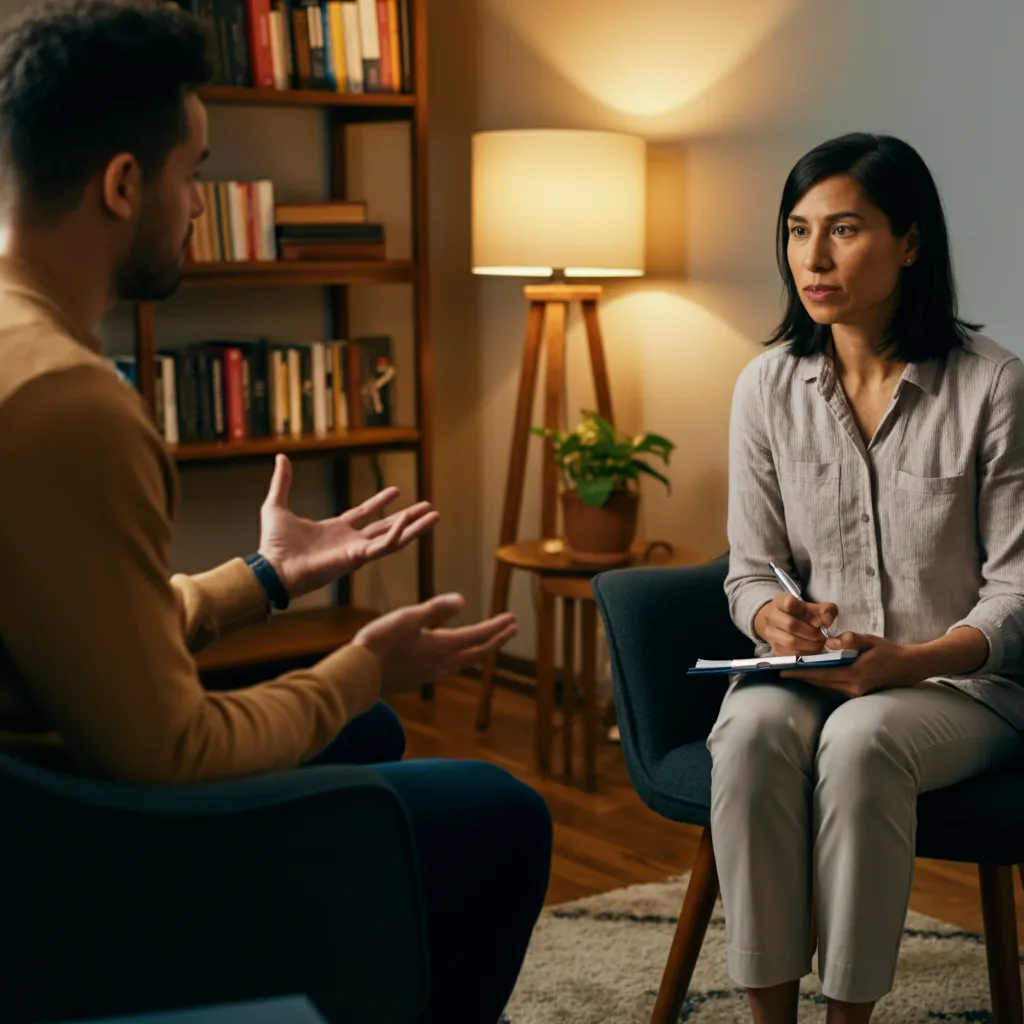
568 680
545 680
588 677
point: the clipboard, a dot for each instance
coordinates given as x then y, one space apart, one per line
773 663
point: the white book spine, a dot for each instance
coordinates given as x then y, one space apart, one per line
265 209
294 393
369 36
236 204
353 47
277 45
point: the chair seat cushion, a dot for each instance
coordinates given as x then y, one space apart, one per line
977 821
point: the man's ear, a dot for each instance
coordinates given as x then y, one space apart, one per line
121 187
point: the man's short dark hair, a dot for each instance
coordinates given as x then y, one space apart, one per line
84 80
896 180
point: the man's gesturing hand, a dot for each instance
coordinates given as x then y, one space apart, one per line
414 648
791 625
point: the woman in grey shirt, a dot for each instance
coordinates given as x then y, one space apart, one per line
878 456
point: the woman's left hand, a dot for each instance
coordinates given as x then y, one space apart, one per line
882 665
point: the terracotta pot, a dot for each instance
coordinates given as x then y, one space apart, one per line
600 535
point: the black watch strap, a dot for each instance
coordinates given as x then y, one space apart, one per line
267 575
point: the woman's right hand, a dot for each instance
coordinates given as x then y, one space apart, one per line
791 626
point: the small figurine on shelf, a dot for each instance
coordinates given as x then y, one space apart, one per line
377 381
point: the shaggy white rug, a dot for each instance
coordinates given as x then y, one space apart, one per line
599 961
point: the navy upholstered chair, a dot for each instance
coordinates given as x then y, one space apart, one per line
122 899
658 622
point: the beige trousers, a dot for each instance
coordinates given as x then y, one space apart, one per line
810 786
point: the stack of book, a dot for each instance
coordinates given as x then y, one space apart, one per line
237 389
346 46
327 231
237 224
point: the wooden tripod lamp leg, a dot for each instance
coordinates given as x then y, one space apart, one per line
602 388
513 490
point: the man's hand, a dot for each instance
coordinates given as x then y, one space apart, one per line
414 648
882 665
308 555
790 625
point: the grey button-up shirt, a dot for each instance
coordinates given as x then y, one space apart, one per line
911 535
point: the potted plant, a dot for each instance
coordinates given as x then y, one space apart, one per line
601 469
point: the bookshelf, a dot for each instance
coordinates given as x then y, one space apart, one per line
311 633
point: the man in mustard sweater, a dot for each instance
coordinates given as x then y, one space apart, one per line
102 136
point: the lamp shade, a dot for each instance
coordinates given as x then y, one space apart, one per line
550 199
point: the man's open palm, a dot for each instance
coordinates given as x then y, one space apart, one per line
415 647
308 555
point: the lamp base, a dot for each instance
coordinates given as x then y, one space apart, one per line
545 329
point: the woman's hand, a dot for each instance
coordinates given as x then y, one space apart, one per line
791 626
882 665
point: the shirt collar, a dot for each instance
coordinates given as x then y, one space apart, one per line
18 278
819 368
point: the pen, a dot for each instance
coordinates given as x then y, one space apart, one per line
789 585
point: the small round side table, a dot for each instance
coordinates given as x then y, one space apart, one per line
561 578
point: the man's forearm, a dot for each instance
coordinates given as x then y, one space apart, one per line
962 651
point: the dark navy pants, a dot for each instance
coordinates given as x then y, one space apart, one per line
483 842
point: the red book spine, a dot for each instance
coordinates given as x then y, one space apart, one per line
252 242
386 76
259 43
234 397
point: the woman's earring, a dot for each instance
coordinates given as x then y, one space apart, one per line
908 261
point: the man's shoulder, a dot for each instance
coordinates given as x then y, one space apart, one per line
34 345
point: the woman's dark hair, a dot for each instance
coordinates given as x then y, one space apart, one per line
84 80
896 180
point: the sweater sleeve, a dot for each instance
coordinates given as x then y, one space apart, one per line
90 618
215 603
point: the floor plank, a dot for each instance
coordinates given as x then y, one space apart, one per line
608 839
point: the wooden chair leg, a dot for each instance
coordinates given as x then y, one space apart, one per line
998 912
701 894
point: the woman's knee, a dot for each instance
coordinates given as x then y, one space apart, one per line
859 755
758 734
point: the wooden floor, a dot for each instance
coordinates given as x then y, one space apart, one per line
609 839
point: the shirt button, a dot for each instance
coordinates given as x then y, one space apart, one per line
870 571
865 518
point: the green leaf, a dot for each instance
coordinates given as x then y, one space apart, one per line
642 467
595 492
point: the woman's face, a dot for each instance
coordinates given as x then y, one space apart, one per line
844 258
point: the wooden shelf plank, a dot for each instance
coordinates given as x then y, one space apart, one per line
303 97
286 636
362 438
296 272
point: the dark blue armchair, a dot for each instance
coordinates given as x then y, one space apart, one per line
658 622
123 899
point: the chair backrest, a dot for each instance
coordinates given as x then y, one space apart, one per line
659 621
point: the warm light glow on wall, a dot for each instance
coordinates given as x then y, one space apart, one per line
548 200
644 58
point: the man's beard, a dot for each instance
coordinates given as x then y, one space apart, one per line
148 273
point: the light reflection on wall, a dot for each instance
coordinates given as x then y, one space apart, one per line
643 57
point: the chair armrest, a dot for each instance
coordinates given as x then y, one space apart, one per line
658 623
132 898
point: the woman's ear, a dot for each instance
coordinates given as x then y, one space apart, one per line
122 187
911 245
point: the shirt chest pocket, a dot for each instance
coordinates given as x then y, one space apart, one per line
928 525
810 497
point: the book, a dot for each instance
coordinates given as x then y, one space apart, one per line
346 211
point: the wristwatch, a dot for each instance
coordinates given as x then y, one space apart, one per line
271 582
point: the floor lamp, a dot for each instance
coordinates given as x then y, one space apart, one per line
566 205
